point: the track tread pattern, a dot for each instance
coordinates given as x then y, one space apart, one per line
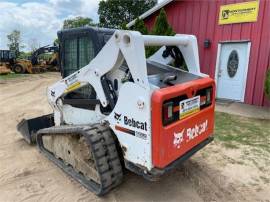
101 142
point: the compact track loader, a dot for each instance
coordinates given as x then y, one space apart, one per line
120 110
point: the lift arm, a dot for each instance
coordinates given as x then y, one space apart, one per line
128 46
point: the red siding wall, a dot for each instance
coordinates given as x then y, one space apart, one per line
201 19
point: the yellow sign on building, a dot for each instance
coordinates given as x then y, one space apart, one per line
238 13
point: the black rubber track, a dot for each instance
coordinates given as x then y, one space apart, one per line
102 145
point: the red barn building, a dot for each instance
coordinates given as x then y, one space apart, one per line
233 38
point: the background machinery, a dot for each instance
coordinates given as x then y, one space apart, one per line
5 57
115 109
31 65
50 64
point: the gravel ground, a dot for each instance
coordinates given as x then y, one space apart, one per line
213 174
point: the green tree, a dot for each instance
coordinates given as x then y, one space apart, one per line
140 26
162 28
116 13
267 84
24 55
14 42
78 22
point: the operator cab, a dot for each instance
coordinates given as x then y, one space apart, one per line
79 46
7 56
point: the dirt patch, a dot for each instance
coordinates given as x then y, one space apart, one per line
216 173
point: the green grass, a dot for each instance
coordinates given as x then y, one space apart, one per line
233 131
12 76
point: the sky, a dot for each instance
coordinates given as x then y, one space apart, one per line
40 20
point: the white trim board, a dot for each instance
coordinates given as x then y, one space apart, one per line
150 11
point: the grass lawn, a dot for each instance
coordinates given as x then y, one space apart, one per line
235 131
12 76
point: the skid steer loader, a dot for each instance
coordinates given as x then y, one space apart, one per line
122 110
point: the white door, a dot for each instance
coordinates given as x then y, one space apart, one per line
231 70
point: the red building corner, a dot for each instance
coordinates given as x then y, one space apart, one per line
236 54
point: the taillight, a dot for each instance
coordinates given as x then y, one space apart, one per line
208 96
202 100
167 112
205 97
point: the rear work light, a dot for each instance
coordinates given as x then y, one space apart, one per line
208 96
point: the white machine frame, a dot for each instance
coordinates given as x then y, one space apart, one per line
134 98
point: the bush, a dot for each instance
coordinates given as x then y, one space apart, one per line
267 84
162 27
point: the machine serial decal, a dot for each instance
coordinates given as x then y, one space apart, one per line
189 107
189 134
72 79
131 132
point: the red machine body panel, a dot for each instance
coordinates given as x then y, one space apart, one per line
170 142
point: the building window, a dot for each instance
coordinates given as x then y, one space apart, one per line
232 64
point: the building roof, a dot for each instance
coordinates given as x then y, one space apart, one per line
150 11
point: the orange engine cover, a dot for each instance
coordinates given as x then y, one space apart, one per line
170 142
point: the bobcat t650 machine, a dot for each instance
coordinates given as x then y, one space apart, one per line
115 109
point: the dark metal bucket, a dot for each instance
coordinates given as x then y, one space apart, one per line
28 128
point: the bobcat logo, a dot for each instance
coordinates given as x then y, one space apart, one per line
117 116
52 93
178 139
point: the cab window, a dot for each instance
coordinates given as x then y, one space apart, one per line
78 52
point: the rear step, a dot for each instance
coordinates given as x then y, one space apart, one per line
28 128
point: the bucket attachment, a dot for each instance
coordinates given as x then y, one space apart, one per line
28 128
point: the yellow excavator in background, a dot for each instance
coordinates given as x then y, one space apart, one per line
8 62
50 64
